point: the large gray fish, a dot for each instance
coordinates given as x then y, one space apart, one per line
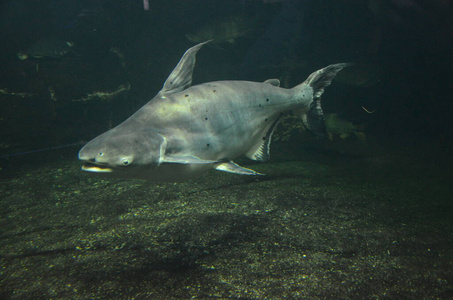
186 130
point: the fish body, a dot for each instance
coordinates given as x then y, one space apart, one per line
47 48
186 130
336 126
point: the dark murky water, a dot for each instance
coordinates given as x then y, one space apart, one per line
366 214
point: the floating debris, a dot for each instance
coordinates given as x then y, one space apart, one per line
367 110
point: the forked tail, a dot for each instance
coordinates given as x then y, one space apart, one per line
313 118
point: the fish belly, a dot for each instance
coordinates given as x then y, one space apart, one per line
223 120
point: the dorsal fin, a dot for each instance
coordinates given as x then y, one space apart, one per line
274 82
181 77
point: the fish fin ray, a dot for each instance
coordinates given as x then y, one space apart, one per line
274 82
313 119
181 77
320 79
234 168
261 151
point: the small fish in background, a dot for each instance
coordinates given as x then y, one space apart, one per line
47 48
226 30
338 127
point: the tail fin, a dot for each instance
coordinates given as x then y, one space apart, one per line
313 119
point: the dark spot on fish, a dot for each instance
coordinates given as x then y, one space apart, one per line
267 99
264 138
265 120
259 105
206 118
207 145
214 91
186 95
171 82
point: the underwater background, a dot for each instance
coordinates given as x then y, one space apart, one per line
364 214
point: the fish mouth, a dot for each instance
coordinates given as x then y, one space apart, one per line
90 167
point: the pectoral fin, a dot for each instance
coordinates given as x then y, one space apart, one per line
232 167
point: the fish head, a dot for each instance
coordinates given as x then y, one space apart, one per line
121 151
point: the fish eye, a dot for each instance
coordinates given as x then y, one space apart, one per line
101 153
126 162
